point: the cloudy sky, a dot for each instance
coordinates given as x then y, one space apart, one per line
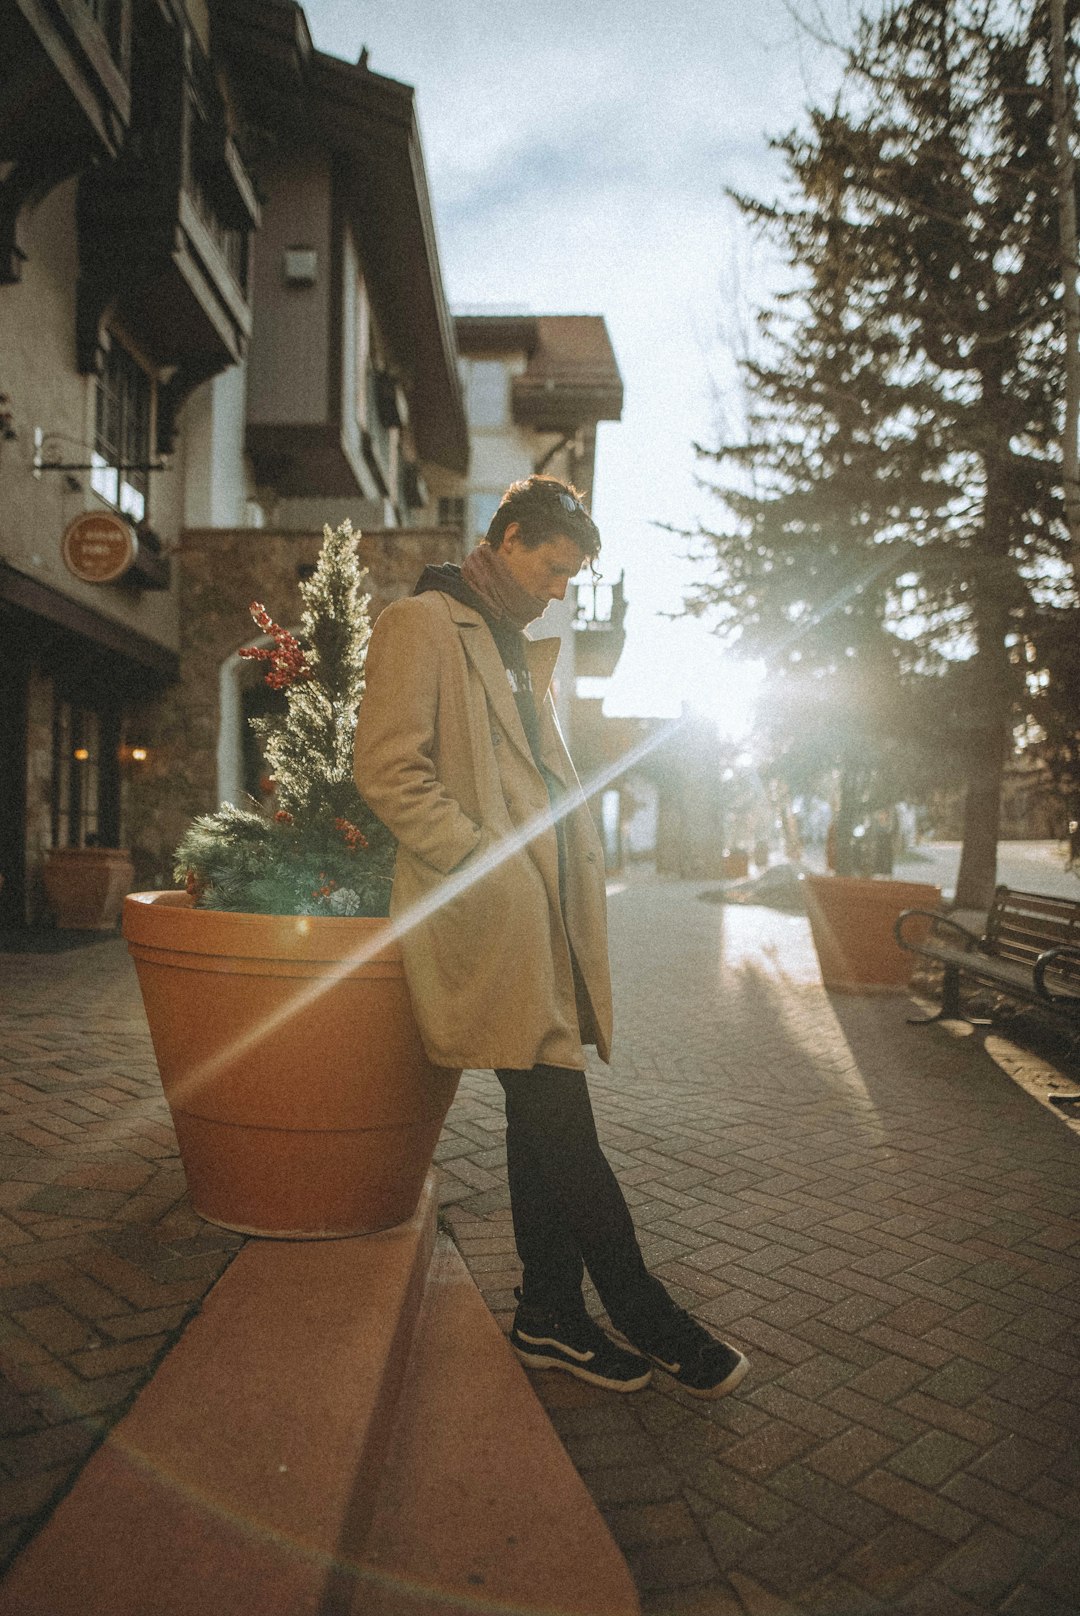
579 153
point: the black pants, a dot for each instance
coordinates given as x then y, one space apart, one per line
569 1212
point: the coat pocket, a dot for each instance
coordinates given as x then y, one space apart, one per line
486 908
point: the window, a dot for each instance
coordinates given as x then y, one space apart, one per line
231 243
377 411
488 393
122 433
107 15
452 512
361 316
482 508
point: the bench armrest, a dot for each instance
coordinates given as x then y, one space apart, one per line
1047 962
969 939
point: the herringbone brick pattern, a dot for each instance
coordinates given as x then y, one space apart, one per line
101 1258
885 1222
888 1224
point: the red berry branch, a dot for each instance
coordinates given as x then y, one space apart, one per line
286 656
352 835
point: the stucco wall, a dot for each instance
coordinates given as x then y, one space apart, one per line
287 380
217 483
37 371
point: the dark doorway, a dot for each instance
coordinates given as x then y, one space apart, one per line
14 696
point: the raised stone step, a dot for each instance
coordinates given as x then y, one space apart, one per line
306 1450
480 1509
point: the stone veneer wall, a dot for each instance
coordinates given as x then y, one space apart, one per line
221 570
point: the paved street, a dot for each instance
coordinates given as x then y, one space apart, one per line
878 1214
1030 866
889 1226
102 1260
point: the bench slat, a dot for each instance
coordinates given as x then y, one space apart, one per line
1038 902
1028 945
1033 904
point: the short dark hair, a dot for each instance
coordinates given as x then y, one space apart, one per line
542 508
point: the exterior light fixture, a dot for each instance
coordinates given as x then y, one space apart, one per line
138 754
300 266
80 754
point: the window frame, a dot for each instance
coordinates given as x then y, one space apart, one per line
124 401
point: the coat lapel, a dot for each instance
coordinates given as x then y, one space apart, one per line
484 655
541 657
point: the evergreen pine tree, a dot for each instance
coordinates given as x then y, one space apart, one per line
321 851
896 513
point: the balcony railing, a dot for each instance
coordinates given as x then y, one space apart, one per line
598 627
108 14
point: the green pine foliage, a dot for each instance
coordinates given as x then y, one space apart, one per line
317 849
893 512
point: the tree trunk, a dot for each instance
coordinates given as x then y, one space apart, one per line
847 817
1066 190
988 749
982 817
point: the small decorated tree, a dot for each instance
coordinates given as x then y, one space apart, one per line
317 849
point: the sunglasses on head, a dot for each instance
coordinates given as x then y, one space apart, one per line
570 504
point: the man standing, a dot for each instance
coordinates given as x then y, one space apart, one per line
499 887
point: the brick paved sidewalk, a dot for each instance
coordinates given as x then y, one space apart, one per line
102 1260
886 1222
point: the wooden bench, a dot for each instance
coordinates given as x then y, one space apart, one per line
1029 950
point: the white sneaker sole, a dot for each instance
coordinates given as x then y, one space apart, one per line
539 1360
722 1387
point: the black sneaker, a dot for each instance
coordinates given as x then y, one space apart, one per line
544 1340
696 1360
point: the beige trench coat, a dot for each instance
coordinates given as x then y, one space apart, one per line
443 759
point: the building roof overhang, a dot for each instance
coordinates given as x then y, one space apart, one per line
571 376
65 103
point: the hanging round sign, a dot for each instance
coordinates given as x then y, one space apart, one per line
99 547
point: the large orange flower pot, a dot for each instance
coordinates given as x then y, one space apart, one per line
303 1102
852 918
86 886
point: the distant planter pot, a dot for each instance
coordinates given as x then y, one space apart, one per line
303 1102
735 866
852 919
86 886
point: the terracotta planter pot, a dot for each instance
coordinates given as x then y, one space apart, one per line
303 1102
735 866
852 923
87 885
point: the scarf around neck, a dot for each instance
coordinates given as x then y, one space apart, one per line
485 571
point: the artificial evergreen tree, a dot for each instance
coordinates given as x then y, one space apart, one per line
318 849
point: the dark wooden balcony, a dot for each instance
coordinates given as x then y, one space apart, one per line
599 634
164 228
65 100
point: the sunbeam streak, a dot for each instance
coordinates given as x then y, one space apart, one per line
475 869
479 866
